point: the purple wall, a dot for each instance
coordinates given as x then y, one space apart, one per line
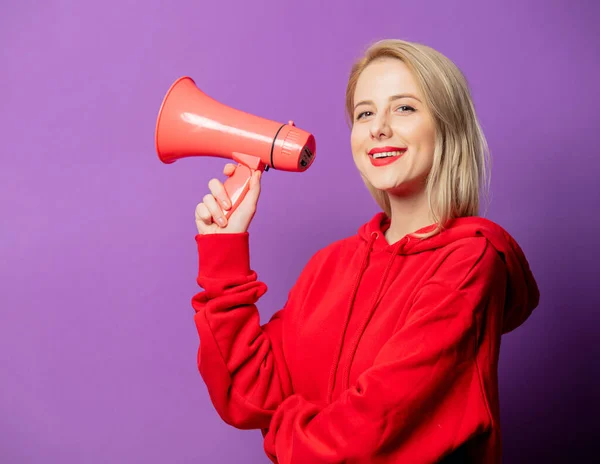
98 259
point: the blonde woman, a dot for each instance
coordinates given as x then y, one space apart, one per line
387 348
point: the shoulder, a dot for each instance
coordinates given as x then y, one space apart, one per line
460 263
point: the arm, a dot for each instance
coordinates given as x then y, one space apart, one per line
423 395
241 362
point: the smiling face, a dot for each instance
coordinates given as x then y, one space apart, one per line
390 115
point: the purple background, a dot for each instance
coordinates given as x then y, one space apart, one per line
98 259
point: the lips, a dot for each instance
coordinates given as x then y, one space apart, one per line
385 160
385 149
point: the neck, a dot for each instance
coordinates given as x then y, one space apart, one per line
408 214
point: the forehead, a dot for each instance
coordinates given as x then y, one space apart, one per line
385 77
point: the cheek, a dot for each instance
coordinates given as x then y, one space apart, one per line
431 144
428 130
431 136
423 133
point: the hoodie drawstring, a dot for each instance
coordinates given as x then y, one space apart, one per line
336 359
363 325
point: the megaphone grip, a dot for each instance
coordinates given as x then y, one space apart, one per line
236 186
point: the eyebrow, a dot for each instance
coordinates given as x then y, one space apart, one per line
393 97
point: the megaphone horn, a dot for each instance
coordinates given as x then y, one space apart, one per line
190 123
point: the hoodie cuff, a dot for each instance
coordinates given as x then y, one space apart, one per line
222 256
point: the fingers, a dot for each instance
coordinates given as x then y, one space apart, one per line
203 214
210 212
229 169
218 190
214 210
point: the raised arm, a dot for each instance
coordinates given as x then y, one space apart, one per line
241 361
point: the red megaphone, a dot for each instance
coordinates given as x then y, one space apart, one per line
190 123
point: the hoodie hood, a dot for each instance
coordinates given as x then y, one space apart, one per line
522 293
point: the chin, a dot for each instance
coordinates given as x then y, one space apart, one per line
397 187
386 183
389 187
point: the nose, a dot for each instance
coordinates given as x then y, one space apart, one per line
380 127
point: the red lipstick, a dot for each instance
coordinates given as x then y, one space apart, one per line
388 159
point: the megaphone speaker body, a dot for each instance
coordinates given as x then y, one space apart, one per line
190 123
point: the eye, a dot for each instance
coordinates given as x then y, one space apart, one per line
404 108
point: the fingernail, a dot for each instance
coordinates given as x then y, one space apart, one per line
225 204
221 222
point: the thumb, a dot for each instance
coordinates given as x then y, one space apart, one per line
254 188
248 204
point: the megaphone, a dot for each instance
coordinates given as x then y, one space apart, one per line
190 123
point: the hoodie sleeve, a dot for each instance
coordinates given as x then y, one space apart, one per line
240 361
424 392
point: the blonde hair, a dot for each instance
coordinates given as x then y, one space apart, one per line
461 160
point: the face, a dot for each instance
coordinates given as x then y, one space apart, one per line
390 116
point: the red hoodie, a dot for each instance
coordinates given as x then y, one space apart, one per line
382 353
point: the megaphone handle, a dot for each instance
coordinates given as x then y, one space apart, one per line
237 186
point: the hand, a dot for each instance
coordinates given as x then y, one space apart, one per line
209 214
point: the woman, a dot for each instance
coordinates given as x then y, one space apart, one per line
387 348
